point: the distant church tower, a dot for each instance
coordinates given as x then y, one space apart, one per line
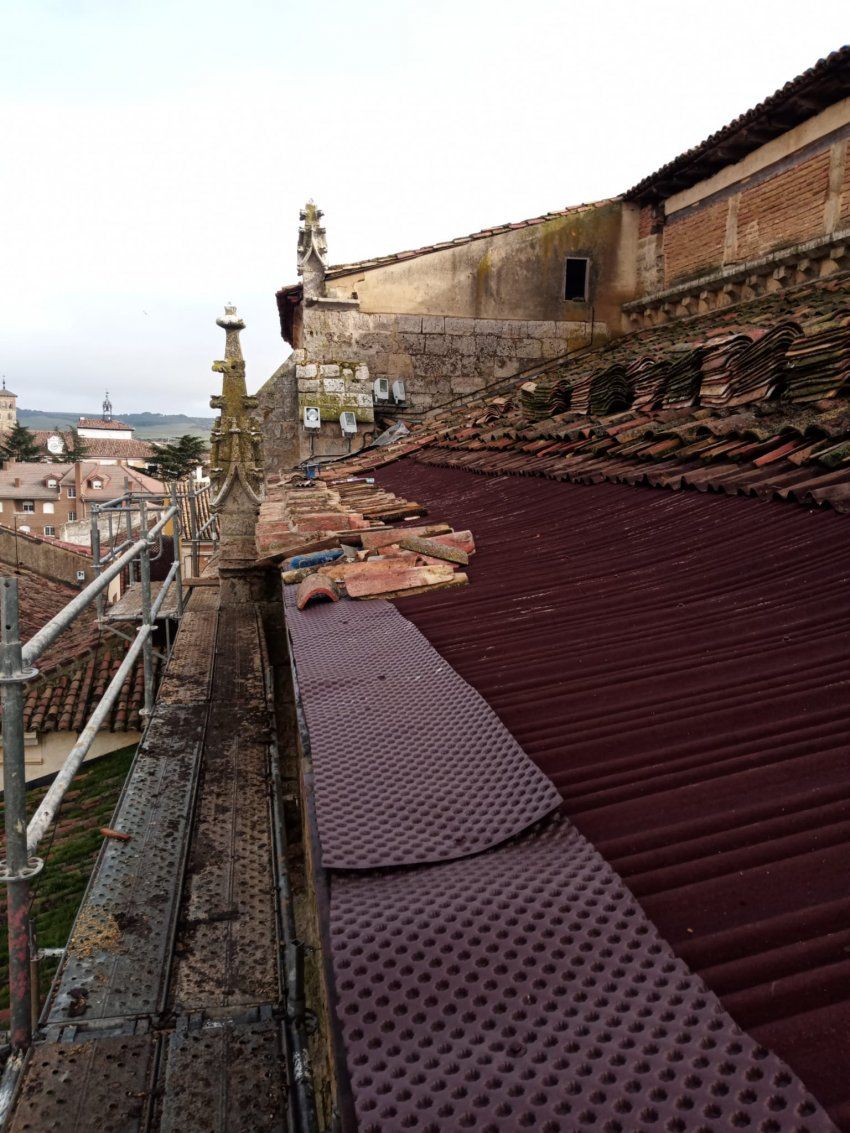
8 409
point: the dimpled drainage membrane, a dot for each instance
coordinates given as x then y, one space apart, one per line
411 764
526 989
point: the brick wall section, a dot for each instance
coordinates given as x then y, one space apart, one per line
645 219
787 209
844 206
783 210
695 243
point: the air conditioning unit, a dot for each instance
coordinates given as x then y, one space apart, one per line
348 423
381 387
398 391
312 417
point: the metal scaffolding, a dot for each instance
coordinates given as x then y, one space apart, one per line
17 667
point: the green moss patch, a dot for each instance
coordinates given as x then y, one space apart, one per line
69 852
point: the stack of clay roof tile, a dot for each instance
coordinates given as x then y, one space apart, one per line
362 541
535 400
75 671
819 363
610 391
749 367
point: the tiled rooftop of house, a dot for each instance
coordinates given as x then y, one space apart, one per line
118 448
101 423
74 672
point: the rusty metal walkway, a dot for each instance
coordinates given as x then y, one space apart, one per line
166 1013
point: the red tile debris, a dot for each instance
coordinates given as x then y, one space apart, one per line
315 588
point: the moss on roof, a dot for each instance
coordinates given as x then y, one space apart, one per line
69 853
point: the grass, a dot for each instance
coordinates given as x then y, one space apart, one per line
69 852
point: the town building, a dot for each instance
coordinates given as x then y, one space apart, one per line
107 440
55 500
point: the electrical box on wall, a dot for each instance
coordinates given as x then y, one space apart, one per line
398 391
348 422
312 417
381 387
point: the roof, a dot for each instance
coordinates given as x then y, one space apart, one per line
820 86
75 671
459 241
752 400
101 423
676 663
116 448
33 479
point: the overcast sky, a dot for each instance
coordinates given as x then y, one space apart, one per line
155 154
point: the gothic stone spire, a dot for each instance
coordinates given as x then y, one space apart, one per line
236 444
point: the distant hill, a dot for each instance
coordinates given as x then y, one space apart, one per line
148 426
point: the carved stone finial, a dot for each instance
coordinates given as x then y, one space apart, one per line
107 408
235 437
312 251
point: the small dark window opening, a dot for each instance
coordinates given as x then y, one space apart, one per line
575 289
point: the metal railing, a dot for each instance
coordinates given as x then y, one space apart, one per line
17 661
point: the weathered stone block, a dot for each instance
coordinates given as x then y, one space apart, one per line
467 384
433 324
435 344
488 326
400 365
459 326
552 347
409 324
465 344
373 341
515 329
308 371
541 330
428 365
329 370
529 348
333 385
504 367
385 323
361 373
485 344
413 343
308 385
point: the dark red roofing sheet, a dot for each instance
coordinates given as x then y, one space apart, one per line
525 989
678 664
411 764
